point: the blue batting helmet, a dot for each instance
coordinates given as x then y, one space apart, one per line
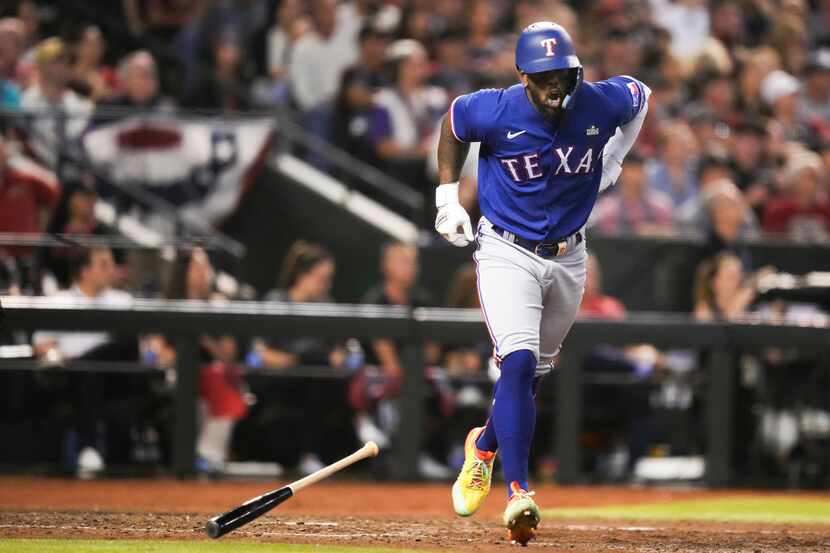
545 46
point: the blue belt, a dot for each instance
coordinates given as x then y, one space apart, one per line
542 249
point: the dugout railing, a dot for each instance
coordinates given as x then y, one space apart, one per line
186 320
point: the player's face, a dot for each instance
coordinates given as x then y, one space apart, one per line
547 90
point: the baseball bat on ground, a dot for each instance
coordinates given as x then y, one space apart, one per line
258 506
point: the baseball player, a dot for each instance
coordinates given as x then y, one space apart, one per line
549 145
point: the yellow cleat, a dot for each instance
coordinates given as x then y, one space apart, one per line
521 517
473 482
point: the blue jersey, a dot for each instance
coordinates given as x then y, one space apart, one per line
535 179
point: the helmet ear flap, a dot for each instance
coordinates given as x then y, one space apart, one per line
578 82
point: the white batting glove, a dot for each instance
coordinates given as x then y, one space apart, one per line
451 216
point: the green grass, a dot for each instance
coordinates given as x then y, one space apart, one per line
164 546
734 509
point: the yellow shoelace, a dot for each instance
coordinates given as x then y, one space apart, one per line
479 472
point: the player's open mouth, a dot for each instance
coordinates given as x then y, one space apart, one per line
553 101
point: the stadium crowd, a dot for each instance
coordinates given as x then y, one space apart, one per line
736 145
740 114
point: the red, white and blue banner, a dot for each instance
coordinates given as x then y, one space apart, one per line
202 167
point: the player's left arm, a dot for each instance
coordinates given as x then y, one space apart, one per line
617 148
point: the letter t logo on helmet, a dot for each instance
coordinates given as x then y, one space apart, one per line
548 43
556 51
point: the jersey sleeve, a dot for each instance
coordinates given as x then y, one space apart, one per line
468 113
627 95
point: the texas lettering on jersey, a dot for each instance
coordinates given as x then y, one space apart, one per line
534 179
526 167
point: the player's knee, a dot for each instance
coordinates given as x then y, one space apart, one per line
519 366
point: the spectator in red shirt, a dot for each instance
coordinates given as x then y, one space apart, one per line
594 302
802 211
28 193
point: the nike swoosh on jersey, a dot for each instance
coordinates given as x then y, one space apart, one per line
512 135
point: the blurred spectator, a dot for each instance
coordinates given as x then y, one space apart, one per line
712 168
815 101
789 35
353 106
673 171
632 207
75 216
221 86
320 55
10 94
306 276
223 396
400 268
139 87
727 23
28 13
620 419
58 115
755 65
89 76
380 381
594 302
466 367
28 194
723 292
781 92
621 54
688 23
717 96
465 360
526 12
453 72
488 52
406 114
802 211
417 23
819 22
93 272
371 64
725 220
161 18
749 165
290 22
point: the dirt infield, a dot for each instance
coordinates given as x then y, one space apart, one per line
366 514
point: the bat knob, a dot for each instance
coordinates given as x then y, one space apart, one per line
212 529
373 448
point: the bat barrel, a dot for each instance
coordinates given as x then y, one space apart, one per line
220 525
258 506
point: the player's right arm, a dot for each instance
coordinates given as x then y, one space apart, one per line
451 214
451 154
462 124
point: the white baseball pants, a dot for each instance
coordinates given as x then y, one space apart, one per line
528 302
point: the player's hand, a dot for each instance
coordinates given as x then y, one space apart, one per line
452 216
